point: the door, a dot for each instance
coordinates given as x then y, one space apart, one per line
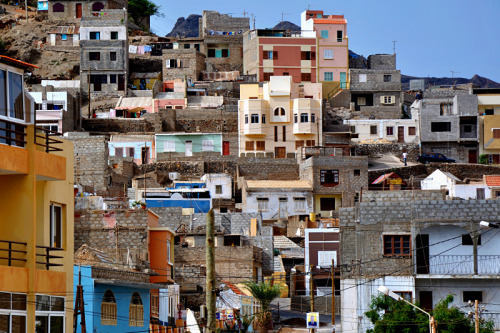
472 156
282 208
425 298
189 148
343 82
145 155
78 10
401 134
225 148
121 82
422 241
480 195
279 152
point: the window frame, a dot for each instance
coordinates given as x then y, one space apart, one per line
328 54
341 38
394 240
387 77
373 129
94 56
54 233
94 35
207 145
329 178
218 189
136 311
254 118
112 56
328 76
111 318
389 130
324 34
113 35
299 204
262 204
304 117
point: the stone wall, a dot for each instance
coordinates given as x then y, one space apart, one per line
90 159
122 125
375 80
111 230
382 61
322 304
189 63
379 112
206 120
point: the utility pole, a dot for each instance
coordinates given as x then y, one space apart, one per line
26 8
79 305
476 315
311 291
210 280
90 76
333 293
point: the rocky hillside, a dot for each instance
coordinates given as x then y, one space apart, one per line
286 25
186 27
477 80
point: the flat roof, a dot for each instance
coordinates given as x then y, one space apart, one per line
279 184
16 63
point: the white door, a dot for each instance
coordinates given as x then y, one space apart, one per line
189 148
282 208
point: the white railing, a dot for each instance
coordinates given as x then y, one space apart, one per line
464 264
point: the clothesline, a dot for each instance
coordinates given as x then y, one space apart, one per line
139 49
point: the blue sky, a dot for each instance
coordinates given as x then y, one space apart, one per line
434 37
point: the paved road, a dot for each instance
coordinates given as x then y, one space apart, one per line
325 320
387 162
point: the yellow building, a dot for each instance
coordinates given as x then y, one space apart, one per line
277 118
489 112
144 81
36 216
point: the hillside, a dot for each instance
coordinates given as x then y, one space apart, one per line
286 25
186 27
477 80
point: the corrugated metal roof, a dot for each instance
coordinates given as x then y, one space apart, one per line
151 75
283 242
279 184
68 30
133 102
382 178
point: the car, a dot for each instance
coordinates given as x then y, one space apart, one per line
436 157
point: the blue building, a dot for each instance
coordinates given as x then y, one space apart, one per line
183 194
115 300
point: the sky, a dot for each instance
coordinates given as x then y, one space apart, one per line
433 37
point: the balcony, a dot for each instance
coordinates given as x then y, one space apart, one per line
14 253
304 128
13 158
450 265
49 166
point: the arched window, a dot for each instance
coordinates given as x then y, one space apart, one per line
58 8
97 6
279 111
108 309
136 311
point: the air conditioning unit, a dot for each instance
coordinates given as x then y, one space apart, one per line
174 175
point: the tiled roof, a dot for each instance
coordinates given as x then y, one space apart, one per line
235 289
16 63
329 21
133 102
492 180
279 184
69 30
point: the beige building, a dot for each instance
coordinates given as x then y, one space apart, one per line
277 118
488 101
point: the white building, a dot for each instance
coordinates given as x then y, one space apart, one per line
277 199
220 185
55 110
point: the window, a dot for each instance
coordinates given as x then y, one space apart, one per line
168 146
328 54
299 204
97 6
445 109
373 129
108 309
361 100
295 118
467 128
329 177
310 143
49 314
114 34
64 37
299 143
58 8
387 99
467 240
249 146
15 85
305 77
173 63
197 47
211 53
131 152
218 189
207 145
95 35
397 245
389 130
270 55
275 133
407 295
357 172
324 33
262 203
472 296
246 119
187 46
353 129
286 74
411 130
169 249
362 77
3 93
313 118
119 152
261 145
55 225
496 133
112 56
12 312
489 112
266 77
94 56
340 35
112 78
225 53
304 118
263 118
326 204
136 311
325 258
254 118
284 133
387 77
328 76
307 55
441 127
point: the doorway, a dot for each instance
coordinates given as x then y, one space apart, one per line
225 148
422 241
425 298
78 10
280 152
189 148
472 156
343 83
401 134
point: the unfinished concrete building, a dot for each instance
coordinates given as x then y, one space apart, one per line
449 124
73 10
104 52
183 63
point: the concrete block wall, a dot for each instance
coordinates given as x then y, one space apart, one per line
148 123
206 120
171 217
375 80
380 112
212 20
396 149
193 64
382 61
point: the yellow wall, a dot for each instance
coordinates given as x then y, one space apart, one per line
249 90
317 205
149 83
490 122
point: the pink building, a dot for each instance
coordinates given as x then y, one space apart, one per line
332 45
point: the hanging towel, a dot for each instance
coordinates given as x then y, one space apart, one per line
147 48
140 49
132 48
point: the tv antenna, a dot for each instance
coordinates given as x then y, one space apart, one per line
282 15
244 13
394 46
453 74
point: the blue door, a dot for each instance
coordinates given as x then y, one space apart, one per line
343 83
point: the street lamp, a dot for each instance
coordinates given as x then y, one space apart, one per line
384 290
486 224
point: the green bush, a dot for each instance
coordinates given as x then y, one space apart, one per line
483 159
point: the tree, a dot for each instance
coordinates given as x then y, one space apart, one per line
138 10
264 293
393 316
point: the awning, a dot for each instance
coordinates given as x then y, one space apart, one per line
382 178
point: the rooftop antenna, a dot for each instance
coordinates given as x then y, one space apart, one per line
253 19
309 6
394 46
453 75
282 15
244 13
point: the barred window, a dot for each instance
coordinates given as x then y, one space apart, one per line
136 311
108 309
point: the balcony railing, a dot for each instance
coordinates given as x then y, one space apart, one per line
12 252
44 256
464 265
12 134
45 138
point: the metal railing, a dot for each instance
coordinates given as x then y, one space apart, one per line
12 134
11 256
46 256
44 138
464 264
